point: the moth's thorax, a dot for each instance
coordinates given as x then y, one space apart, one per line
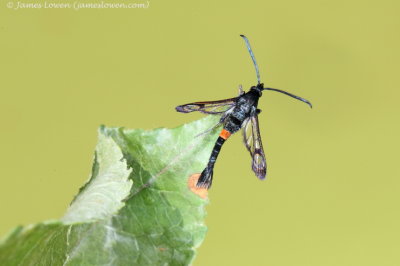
246 105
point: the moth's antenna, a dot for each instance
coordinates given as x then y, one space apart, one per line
252 57
291 95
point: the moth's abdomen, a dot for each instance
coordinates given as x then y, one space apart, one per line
233 124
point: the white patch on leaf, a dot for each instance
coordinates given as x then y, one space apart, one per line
103 195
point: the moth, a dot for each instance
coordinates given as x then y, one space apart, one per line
237 113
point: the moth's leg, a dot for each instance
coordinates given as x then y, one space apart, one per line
241 91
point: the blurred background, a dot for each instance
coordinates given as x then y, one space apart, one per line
332 196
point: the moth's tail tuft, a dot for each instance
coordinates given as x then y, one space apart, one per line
205 179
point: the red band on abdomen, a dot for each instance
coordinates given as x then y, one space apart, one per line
225 134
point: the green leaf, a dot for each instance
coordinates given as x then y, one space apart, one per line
136 209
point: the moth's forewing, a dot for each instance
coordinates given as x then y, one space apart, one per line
210 107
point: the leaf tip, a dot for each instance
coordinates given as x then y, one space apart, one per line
192 181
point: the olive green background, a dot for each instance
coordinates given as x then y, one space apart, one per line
332 197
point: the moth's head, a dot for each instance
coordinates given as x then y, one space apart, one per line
259 88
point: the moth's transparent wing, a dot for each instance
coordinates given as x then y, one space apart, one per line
220 123
247 134
252 141
212 107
